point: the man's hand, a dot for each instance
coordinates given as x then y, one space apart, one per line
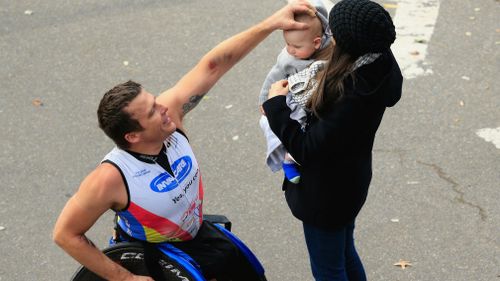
278 88
284 18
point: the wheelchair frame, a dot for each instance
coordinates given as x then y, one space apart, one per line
188 269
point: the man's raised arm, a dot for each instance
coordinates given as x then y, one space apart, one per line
188 92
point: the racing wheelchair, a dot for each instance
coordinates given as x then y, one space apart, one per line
174 264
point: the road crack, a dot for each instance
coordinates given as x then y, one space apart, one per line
455 187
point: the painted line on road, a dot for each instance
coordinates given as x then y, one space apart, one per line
414 21
490 135
390 6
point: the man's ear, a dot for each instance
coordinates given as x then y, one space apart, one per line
317 42
132 137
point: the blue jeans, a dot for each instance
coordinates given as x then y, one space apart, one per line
332 254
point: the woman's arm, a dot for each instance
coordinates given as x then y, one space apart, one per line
187 93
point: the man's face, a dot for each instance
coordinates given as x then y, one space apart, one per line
300 43
152 116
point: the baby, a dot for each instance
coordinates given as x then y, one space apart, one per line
303 48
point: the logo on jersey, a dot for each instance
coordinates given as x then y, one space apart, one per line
181 168
165 182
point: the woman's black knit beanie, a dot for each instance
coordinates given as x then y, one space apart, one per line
361 26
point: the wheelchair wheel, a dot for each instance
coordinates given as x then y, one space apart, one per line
130 255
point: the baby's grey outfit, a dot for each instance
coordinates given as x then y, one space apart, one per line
285 67
301 86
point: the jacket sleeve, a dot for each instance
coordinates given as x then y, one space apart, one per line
323 137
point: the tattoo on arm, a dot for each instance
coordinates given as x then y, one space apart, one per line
214 64
192 103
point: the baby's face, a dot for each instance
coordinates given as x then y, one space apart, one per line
300 43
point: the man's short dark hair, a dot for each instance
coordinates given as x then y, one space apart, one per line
112 117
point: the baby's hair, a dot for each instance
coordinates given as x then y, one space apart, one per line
314 22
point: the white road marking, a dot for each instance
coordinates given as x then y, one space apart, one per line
490 135
414 21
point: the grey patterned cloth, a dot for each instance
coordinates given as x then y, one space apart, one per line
365 59
304 83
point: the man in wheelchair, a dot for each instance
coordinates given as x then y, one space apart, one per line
151 179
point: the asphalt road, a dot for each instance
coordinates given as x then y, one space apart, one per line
436 185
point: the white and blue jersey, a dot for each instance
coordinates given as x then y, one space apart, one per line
163 205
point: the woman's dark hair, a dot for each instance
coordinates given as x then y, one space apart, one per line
113 119
331 80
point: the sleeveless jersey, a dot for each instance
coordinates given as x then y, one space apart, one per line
162 206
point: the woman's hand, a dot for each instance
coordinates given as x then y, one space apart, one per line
279 88
284 18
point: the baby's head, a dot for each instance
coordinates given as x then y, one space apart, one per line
303 43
